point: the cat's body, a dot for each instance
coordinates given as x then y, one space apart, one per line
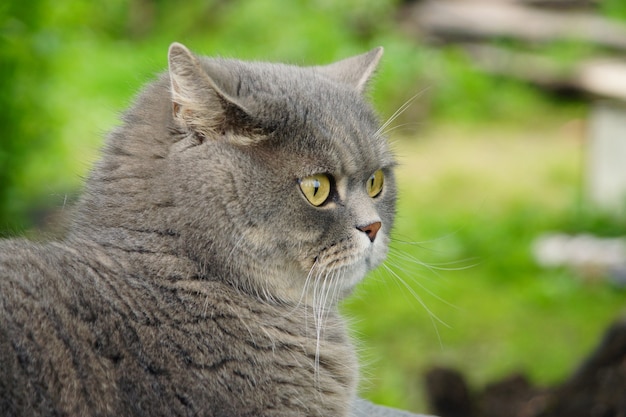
80 341
201 272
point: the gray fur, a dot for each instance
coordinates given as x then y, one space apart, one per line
196 280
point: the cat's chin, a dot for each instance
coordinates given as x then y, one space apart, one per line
355 273
345 273
352 276
330 274
324 283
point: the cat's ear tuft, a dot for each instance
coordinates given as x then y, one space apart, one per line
355 71
185 78
200 105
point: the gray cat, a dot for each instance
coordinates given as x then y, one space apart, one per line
231 211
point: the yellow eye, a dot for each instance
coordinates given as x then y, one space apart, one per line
316 188
375 183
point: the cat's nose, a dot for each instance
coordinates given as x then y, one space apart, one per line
370 230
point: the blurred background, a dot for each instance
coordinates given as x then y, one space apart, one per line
508 254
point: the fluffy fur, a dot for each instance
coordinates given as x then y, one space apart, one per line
196 278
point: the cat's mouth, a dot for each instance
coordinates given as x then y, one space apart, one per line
343 268
344 263
336 263
338 255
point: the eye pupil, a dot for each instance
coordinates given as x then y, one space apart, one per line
316 188
375 183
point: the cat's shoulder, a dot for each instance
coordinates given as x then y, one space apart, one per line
37 268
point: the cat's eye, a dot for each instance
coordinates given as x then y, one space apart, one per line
375 183
316 188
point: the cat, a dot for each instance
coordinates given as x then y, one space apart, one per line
236 204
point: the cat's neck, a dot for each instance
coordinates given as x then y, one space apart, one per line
126 208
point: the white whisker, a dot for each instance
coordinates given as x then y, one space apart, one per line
415 295
428 291
404 126
397 113
434 319
438 266
318 313
234 248
421 243
336 286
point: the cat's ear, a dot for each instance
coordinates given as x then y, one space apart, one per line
200 105
355 71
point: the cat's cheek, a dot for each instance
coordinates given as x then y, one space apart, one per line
377 251
354 275
372 255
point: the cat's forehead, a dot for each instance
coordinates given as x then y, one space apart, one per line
341 152
249 79
331 126
343 141
331 123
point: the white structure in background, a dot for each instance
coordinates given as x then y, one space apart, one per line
591 256
606 173
580 251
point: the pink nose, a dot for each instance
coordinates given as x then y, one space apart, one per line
371 230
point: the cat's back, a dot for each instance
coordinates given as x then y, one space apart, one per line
30 273
47 295
79 335
39 274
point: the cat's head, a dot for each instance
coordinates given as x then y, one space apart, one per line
277 177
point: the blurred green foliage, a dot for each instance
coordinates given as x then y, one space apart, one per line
615 9
24 67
